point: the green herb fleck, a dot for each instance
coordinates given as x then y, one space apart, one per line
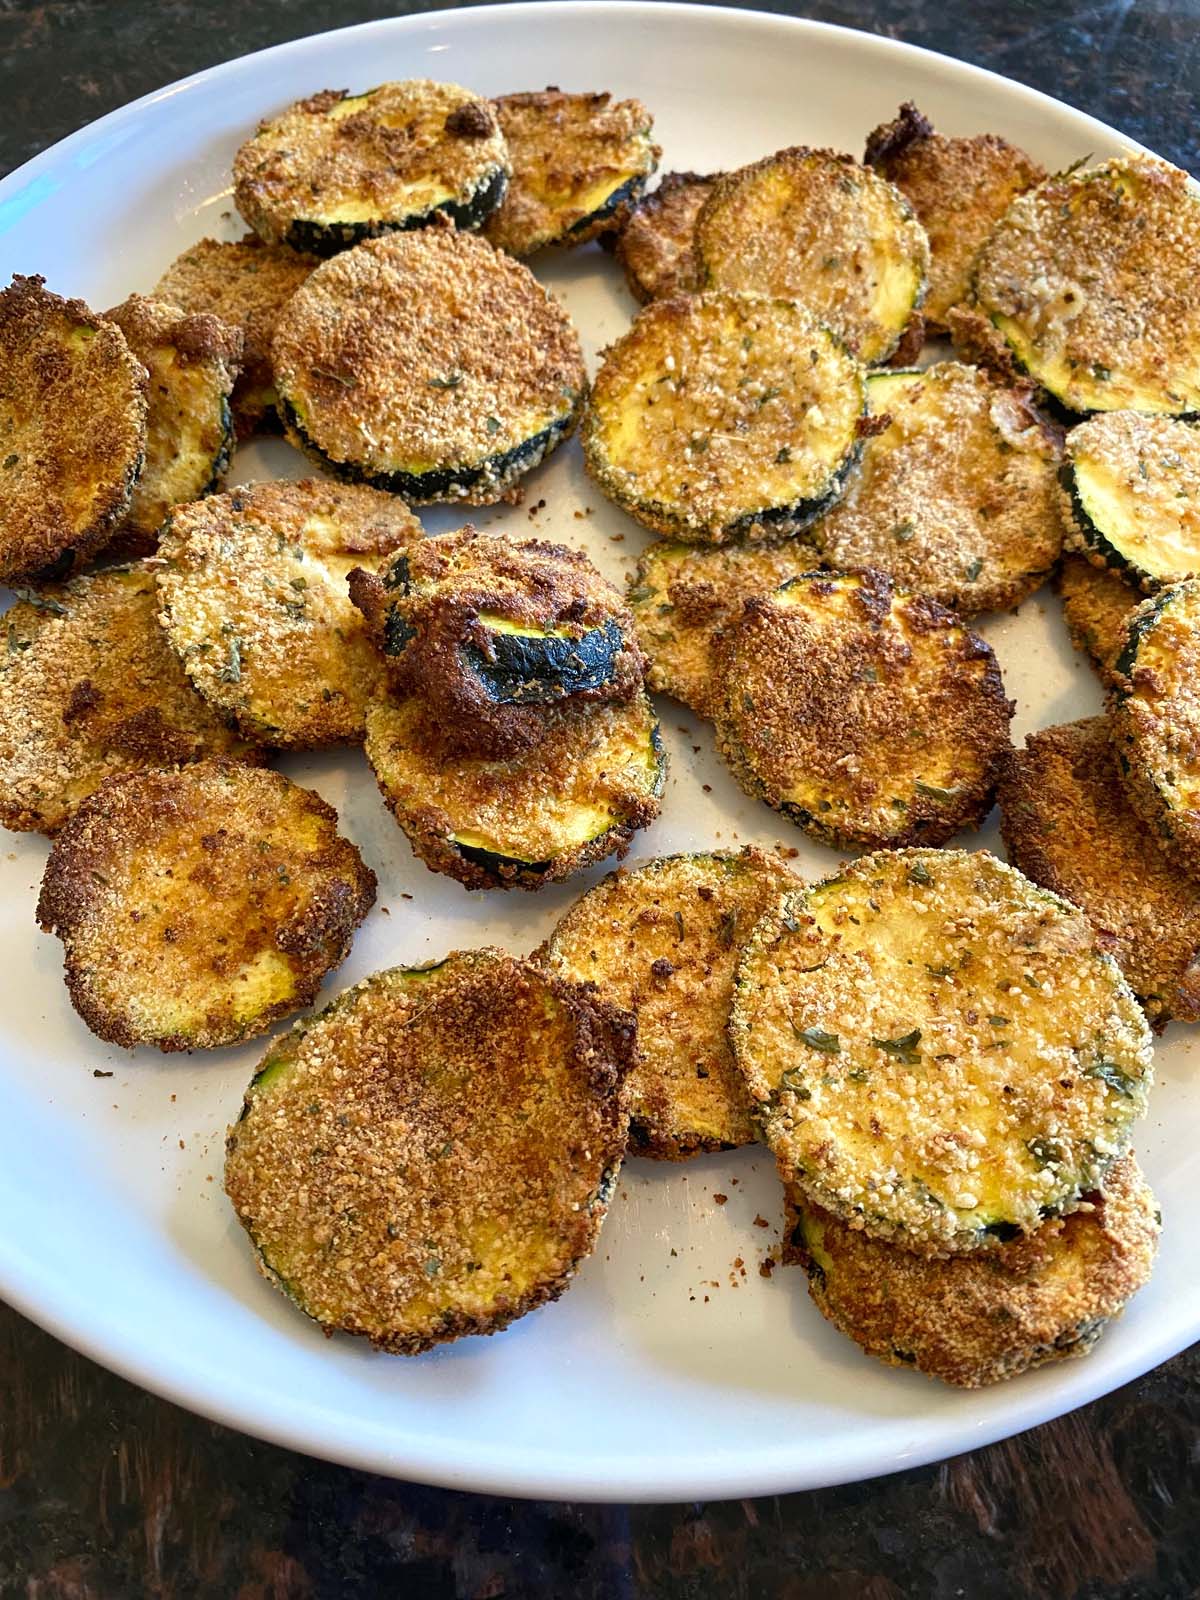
817 1039
975 568
11 461
932 792
1000 1022
918 873
904 1049
727 930
793 1081
1108 1072
903 531
231 672
450 381
783 457
41 602
492 424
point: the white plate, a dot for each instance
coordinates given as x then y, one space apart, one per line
667 1372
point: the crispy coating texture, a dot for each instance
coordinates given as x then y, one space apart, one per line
683 595
534 818
1096 603
89 689
579 162
868 716
959 189
662 942
957 498
942 1053
1068 825
656 244
432 1155
72 429
428 353
255 604
982 1318
199 905
245 283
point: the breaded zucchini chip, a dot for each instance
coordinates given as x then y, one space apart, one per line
724 416
433 1154
662 942
1096 602
1131 495
579 162
197 906
245 283
815 226
868 716
72 429
959 189
957 498
338 168
529 819
683 595
1090 279
428 364
193 361
981 1318
656 244
89 689
1068 825
256 607
941 1052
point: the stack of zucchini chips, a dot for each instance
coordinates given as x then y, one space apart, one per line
945 1054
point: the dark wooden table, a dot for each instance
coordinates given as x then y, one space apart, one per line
107 1493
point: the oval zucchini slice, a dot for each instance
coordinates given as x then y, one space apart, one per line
656 244
458 1129
1096 603
815 226
867 716
662 942
338 168
428 364
724 416
941 1052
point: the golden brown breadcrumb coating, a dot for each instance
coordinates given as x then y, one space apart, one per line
1095 603
656 245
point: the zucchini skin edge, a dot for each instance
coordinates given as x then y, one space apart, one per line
327 239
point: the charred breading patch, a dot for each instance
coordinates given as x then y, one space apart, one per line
255 604
72 429
533 818
198 906
1089 278
957 498
662 942
941 1052
683 595
338 168
1095 603
1131 495
816 226
433 1154
429 364
89 689
868 716
1068 825
193 360
724 416
245 283
656 244
959 189
982 1318
579 162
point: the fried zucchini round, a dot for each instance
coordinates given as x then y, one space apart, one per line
1096 603
1068 825
979 1319
1090 279
941 1052
579 162
196 907
255 604
338 168
683 595
1131 495
89 689
533 818
815 226
72 429
957 498
245 283
193 361
724 416
868 716
656 244
662 942
433 1154
959 189
428 364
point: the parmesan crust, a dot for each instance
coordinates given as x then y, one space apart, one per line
1096 603
656 245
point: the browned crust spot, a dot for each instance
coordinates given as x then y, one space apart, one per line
655 245
1096 601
